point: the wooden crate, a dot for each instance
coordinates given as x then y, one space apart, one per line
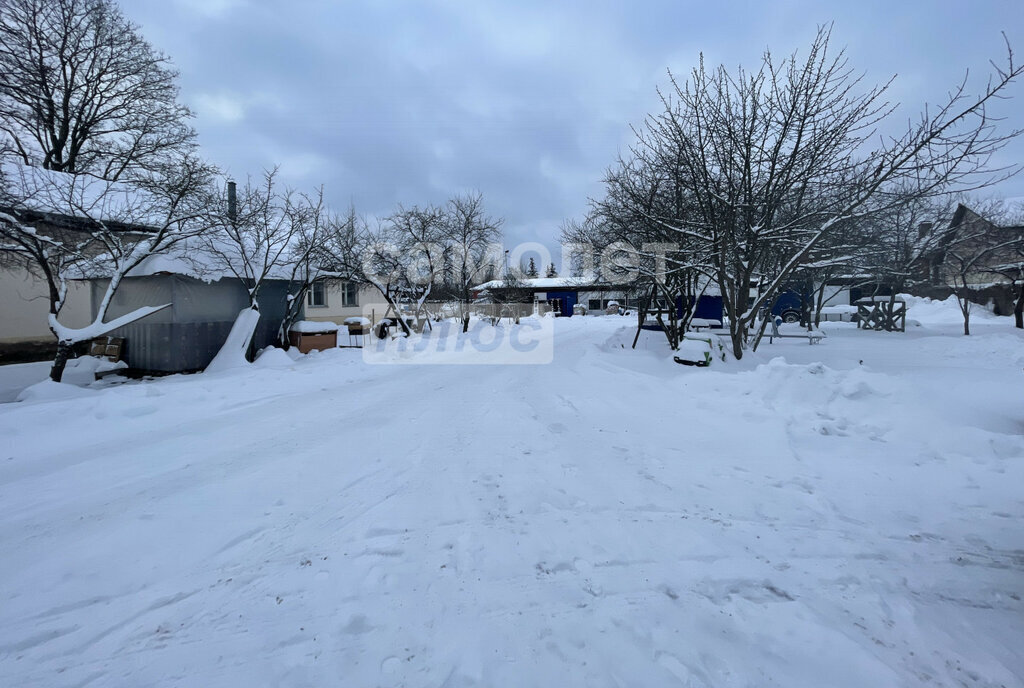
109 347
313 341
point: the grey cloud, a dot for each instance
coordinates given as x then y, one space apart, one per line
528 102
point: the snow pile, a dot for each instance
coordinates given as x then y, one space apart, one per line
357 320
695 351
622 338
232 353
927 311
840 309
48 390
274 357
821 400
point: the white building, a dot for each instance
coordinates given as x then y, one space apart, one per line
25 306
332 300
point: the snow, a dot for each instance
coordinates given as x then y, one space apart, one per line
193 257
694 350
98 329
839 309
945 312
273 357
570 283
544 283
232 352
357 320
189 258
15 377
82 195
847 514
48 390
314 327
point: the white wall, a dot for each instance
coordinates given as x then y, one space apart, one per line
368 300
24 305
584 298
836 295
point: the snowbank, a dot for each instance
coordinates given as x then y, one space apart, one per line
232 353
274 357
840 309
48 390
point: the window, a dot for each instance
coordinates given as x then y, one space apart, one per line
317 296
349 294
595 305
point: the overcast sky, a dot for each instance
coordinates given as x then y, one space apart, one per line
528 102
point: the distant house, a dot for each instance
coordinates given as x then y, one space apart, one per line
990 280
561 293
564 293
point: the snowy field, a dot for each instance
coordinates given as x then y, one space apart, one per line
845 514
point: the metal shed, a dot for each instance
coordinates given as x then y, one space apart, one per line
187 335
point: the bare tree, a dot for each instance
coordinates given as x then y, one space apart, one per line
409 253
419 236
313 222
85 96
83 91
969 249
1010 265
773 163
632 230
472 238
354 251
265 233
400 257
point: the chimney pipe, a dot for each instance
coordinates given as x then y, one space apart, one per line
232 202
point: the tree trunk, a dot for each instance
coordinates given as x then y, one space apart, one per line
1018 308
819 304
737 336
61 361
641 316
967 321
760 333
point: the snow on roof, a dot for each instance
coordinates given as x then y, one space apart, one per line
313 327
576 283
194 257
548 283
87 197
184 260
73 195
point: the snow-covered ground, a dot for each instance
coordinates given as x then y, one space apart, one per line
844 514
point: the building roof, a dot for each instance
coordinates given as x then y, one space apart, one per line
542 283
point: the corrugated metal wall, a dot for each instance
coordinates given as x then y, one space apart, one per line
188 335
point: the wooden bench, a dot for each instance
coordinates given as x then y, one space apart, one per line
812 336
